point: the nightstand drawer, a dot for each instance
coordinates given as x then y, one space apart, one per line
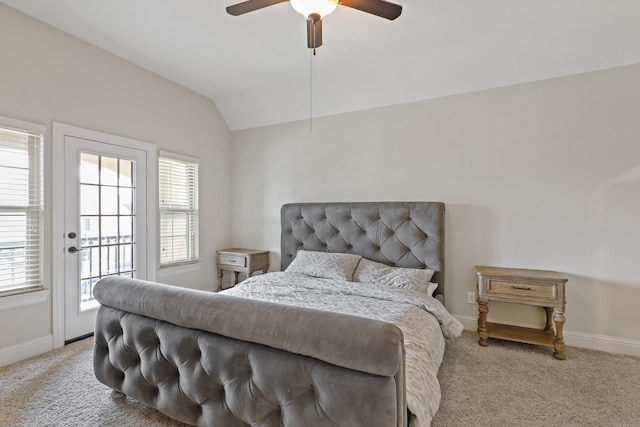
532 290
239 261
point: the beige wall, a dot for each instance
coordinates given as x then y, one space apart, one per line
46 75
544 175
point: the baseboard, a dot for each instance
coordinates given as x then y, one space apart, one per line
579 339
25 350
603 343
470 323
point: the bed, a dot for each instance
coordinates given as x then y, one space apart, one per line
339 337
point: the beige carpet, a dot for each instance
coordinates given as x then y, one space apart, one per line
506 384
512 384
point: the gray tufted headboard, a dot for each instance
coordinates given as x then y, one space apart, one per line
400 234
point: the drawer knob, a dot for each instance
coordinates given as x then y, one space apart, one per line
521 288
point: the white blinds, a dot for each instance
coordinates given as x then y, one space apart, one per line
20 211
178 199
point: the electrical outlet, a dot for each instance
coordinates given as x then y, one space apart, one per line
471 297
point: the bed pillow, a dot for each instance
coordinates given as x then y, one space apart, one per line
324 265
431 288
369 271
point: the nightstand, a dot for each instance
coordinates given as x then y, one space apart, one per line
238 260
532 287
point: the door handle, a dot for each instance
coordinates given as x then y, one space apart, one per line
73 250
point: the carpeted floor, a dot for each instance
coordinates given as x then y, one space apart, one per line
512 384
505 384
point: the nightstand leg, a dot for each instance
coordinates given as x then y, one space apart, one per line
483 333
235 274
219 280
558 345
549 327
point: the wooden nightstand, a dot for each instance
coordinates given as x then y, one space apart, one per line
532 287
246 261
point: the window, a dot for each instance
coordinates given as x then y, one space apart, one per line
20 209
178 188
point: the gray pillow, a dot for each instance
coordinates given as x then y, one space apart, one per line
409 278
324 265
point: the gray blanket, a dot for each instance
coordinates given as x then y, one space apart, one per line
423 320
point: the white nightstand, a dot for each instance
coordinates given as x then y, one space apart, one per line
238 260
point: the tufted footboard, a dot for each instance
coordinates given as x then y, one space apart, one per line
215 360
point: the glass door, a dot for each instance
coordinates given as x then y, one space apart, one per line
104 228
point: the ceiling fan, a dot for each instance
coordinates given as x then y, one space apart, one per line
315 10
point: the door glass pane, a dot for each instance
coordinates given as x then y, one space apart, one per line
125 173
108 171
107 240
89 168
89 199
126 201
90 259
126 229
108 230
109 260
108 200
89 230
126 258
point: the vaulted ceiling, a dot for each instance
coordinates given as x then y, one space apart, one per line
258 70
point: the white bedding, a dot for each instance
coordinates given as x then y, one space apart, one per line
423 320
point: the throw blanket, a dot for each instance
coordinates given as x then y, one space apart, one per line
424 321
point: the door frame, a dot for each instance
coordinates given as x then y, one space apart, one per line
60 131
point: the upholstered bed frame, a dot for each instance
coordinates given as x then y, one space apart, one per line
400 234
217 360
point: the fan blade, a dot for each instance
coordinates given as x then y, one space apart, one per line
381 8
250 6
314 31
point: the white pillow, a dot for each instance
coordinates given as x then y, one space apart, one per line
431 288
369 271
324 265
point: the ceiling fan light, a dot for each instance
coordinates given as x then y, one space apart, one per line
321 7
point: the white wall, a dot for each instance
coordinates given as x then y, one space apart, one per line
47 75
544 175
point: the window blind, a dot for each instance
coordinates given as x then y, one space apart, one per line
178 202
21 212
